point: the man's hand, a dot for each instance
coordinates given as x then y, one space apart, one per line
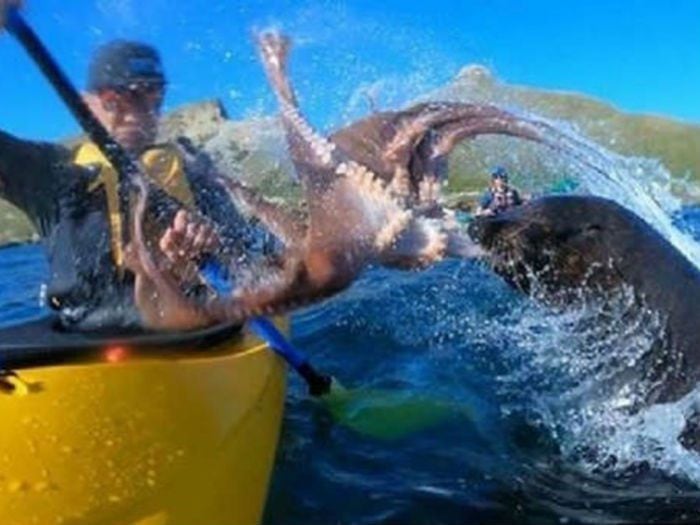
4 5
158 283
186 242
159 300
483 212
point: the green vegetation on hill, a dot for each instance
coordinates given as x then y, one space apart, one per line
15 226
675 144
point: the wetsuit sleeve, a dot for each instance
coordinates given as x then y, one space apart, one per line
485 200
517 199
29 173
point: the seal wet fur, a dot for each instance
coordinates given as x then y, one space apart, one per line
560 247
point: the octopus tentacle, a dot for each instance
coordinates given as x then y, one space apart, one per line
309 150
163 305
359 218
413 125
350 209
503 123
287 225
408 149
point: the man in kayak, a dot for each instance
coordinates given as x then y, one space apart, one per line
71 197
500 196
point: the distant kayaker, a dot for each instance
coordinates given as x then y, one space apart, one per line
70 194
500 195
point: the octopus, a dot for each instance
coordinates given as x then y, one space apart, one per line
372 192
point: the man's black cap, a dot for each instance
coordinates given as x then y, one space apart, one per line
499 172
123 63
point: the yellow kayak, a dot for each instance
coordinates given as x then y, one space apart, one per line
140 431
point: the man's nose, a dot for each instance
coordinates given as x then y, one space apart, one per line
134 115
129 116
136 112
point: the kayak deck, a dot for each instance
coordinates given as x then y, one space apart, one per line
149 439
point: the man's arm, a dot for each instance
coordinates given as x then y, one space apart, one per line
517 199
29 173
484 203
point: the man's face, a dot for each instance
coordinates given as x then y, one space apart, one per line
131 113
500 184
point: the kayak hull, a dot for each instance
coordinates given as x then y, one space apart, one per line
142 440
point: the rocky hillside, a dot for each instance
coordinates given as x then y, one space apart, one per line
675 144
255 150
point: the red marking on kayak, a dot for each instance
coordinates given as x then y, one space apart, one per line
116 354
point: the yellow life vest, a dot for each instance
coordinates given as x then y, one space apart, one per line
163 165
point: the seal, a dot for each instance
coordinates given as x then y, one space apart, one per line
562 248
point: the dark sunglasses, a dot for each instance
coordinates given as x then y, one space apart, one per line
144 96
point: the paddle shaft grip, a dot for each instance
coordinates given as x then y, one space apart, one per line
318 384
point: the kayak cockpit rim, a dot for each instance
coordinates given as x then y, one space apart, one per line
19 350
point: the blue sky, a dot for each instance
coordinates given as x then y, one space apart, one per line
642 56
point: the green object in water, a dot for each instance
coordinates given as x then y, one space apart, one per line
386 414
565 185
463 217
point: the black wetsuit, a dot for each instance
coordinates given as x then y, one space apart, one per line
84 287
498 201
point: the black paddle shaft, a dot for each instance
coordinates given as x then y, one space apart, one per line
318 384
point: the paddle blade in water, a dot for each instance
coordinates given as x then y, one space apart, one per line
386 414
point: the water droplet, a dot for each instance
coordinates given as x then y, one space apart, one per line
16 486
42 486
